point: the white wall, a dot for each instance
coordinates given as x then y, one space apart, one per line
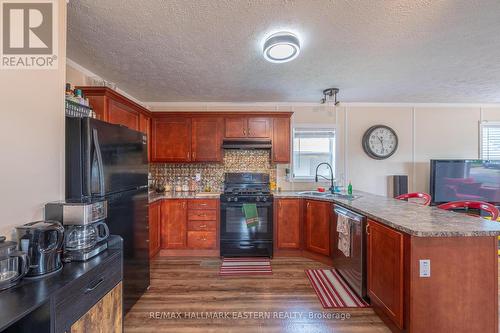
32 138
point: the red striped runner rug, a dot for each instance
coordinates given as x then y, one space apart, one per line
245 266
332 290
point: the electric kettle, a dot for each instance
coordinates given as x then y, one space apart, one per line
13 264
42 241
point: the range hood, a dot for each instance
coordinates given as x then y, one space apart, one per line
246 144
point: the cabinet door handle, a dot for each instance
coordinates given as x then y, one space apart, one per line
202 215
248 131
244 132
203 226
194 155
367 229
308 204
93 285
188 155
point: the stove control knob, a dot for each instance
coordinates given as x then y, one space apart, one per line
235 199
264 199
228 199
257 199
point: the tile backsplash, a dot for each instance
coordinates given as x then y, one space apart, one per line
212 174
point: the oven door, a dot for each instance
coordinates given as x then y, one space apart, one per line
233 225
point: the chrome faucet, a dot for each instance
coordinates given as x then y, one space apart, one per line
332 188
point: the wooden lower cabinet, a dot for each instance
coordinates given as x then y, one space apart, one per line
288 223
104 317
173 224
154 228
189 224
318 216
385 265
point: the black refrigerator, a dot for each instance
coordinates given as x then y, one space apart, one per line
107 161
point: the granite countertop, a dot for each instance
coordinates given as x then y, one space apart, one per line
411 218
154 196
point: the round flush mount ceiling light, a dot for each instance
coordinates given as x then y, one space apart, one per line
281 47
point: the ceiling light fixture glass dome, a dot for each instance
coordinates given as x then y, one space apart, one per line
281 47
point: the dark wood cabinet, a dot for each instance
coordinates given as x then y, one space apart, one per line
281 140
259 127
121 114
248 127
171 139
173 224
236 127
154 228
288 223
145 127
318 215
206 139
385 270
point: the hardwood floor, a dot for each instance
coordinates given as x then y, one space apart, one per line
192 286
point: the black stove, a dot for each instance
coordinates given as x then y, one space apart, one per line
236 238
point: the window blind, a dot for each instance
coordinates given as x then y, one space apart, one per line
490 141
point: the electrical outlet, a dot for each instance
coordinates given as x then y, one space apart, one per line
198 177
425 268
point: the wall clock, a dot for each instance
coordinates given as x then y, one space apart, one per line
380 142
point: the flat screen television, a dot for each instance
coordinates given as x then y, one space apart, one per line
453 180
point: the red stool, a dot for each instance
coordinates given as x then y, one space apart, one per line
426 197
484 206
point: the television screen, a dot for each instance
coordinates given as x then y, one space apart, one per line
477 180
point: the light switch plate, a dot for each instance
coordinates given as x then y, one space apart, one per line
425 268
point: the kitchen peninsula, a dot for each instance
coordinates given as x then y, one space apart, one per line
460 250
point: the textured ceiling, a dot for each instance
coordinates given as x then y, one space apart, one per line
373 50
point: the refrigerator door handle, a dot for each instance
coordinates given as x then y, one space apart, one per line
100 166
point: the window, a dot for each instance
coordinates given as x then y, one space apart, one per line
490 141
311 146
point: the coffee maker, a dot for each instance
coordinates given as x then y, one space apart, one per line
85 229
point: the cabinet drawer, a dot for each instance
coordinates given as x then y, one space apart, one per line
201 239
202 204
202 226
202 215
79 296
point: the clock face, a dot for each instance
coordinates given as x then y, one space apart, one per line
380 142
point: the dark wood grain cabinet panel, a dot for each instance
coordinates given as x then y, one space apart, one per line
171 139
385 270
248 127
154 228
206 139
281 140
288 219
318 215
173 224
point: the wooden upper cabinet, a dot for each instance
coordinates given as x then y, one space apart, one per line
173 224
154 228
318 217
236 127
386 270
121 114
281 140
288 223
248 127
206 139
171 139
259 128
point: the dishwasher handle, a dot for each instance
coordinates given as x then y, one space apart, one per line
347 213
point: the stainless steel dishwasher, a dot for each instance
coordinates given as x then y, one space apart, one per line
353 267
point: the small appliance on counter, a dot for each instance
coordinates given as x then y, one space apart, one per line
85 229
14 264
42 241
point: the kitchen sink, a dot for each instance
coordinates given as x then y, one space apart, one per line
330 195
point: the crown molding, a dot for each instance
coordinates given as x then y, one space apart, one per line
91 74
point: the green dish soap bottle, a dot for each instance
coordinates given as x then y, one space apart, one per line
349 189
